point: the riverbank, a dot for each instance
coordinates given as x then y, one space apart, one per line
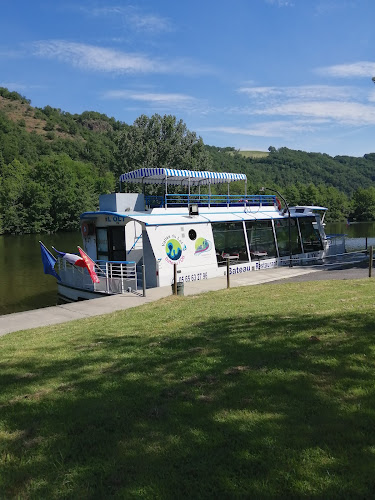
70 312
24 287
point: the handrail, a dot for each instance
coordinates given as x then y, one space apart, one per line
136 241
117 261
210 200
115 276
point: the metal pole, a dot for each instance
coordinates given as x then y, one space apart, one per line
166 191
290 240
370 261
174 279
144 279
228 279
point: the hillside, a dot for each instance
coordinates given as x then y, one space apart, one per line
54 165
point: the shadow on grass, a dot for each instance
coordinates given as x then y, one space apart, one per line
238 407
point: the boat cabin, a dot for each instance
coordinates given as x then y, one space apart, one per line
198 230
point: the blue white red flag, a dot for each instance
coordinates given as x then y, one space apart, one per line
72 258
49 261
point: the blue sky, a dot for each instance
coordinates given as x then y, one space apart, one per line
243 73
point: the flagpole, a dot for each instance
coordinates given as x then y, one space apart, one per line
44 246
96 265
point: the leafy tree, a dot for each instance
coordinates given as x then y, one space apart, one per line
364 204
161 142
13 185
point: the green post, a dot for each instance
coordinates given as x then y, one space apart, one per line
370 261
228 280
174 279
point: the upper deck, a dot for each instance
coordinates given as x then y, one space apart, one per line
209 200
194 179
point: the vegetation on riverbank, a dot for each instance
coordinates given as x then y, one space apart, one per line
272 397
54 165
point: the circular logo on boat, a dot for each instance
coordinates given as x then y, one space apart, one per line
202 245
173 249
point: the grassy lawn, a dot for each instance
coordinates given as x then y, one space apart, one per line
259 392
253 154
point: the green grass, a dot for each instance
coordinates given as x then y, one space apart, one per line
253 154
258 392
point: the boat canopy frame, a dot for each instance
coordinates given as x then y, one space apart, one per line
176 177
171 176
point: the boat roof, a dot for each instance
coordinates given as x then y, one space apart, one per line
309 207
167 219
180 177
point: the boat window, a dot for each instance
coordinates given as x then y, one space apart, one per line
102 243
282 235
192 234
229 238
310 234
261 240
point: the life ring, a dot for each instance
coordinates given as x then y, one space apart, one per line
85 229
278 203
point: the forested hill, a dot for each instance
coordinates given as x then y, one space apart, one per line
54 165
286 167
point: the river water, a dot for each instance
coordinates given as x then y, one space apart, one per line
24 286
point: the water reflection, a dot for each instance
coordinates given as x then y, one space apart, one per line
358 235
23 285
352 230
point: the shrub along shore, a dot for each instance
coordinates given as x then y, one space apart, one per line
250 392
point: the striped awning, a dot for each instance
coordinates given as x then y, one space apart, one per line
179 177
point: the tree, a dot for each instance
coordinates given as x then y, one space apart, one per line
161 142
364 204
14 180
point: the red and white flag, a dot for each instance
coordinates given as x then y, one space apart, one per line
90 264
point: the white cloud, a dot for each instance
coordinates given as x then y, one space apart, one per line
350 70
349 113
151 97
324 102
277 128
281 3
135 19
301 92
90 57
20 86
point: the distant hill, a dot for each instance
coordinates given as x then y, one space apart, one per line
285 167
54 164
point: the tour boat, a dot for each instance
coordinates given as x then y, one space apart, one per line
136 239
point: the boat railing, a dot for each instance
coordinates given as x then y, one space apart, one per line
335 244
115 277
207 200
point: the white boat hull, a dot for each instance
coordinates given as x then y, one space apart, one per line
73 294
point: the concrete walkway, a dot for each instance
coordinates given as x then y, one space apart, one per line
84 309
